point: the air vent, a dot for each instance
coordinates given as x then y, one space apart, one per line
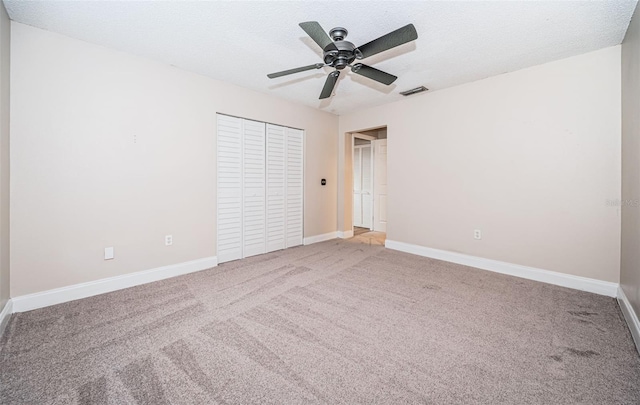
414 91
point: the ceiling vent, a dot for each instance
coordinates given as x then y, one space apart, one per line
414 91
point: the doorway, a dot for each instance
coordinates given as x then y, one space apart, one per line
369 198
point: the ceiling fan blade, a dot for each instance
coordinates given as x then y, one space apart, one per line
329 84
373 73
391 40
315 31
296 70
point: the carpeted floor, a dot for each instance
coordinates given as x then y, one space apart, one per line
338 322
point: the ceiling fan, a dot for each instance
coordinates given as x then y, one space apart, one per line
339 53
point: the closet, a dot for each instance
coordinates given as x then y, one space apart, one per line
260 187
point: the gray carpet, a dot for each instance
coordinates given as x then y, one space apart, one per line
338 322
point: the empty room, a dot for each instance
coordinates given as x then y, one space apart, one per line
319 202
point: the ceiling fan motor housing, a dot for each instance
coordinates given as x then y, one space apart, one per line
340 54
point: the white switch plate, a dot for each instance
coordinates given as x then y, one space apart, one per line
168 240
108 253
477 234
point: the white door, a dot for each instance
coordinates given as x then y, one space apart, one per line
254 204
229 188
294 186
367 187
380 185
357 186
362 186
275 188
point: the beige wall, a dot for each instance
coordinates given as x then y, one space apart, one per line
5 43
530 158
109 149
630 253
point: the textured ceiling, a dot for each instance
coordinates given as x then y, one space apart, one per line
240 42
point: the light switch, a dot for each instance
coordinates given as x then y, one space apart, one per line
108 253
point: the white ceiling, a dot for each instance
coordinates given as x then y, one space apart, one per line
240 42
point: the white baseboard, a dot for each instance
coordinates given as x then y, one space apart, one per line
630 316
551 277
5 314
319 238
105 285
345 234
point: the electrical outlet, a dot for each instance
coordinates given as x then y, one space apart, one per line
108 253
477 234
168 240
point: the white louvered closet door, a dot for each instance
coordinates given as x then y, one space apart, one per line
229 188
260 188
294 186
254 195
275 187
